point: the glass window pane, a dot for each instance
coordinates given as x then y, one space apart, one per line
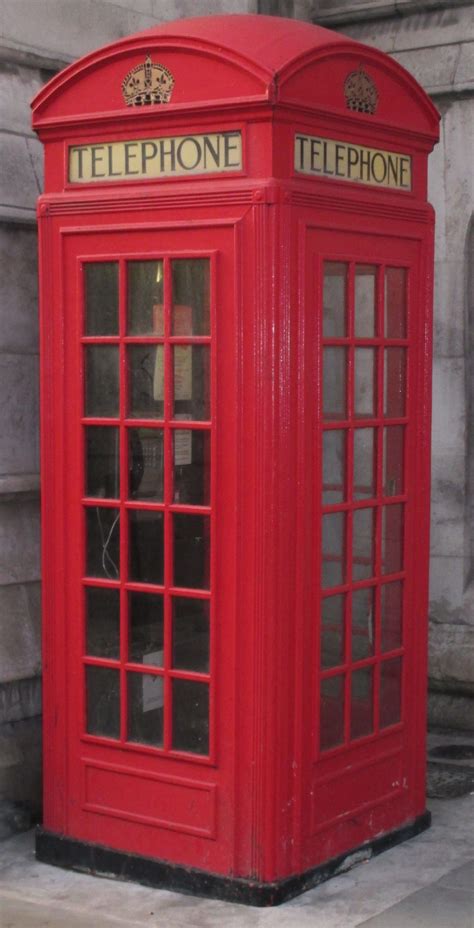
364 300
102 380
191 382
145 298
101 293
392 539
390 692
146 381
102 461
363 533
192 466
362 710
145 622
191 634
393 460
362 624
333 549
334 383
364 463
102 622
334 300
146 546
332 631
334 466
394 382
364 383
395 302
190 716
331 720
103 542
103 701
391 615
191 551
145 708
191 297
145 464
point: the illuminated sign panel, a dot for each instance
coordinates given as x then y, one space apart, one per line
347 161
141 159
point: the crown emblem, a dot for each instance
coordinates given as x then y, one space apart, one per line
147 83
360 92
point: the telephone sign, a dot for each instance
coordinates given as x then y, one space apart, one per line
236 259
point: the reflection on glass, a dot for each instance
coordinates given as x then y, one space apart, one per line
390 692
362 721
191 551
363 620
333 549
101 293
191 384
395 302
146 546
102 461
192 470
145 708
102 380
331 722
394 382
393 460
103 702
364 382
332 631
334 466
191 634
364 463
145 464
102 622
334 383
392 539
190 314
103 542
145 298
145 621
334 300
391 615
146 381
363 533
190 716
364 300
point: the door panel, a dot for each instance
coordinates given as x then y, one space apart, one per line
361 288
151 746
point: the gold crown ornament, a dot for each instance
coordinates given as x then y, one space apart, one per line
148 83
360 92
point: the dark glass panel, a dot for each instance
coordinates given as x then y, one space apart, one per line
102 380
334 466
394 382
102 622
190 716
364 383
364 463
103 542
103 701
364 300
392 539
334 383
363 535
191 297
390 692
146 381
332 713
191 551
101 293
393 469
191 367
145 708
332 631
102 461
333 549
145 464
391 615
146 629
362 709
363 620
146 546
334 300
395 302
192 466
145 298
191 634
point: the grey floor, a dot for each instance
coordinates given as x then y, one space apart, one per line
427 882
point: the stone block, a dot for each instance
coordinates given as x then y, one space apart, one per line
449 324
19 303
20 763
458 127
20 699
451 657
18 86
21 177
448 711
20 631
447 519
418 29
19 431
435 71
464 76
19 543
446 587
449 416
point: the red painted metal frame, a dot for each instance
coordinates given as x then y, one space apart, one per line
265 803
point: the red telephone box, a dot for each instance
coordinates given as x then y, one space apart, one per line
236 274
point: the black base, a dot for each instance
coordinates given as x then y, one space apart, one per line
66 852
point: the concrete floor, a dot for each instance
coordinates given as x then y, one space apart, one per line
427 882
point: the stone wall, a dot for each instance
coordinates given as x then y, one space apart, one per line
432 39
